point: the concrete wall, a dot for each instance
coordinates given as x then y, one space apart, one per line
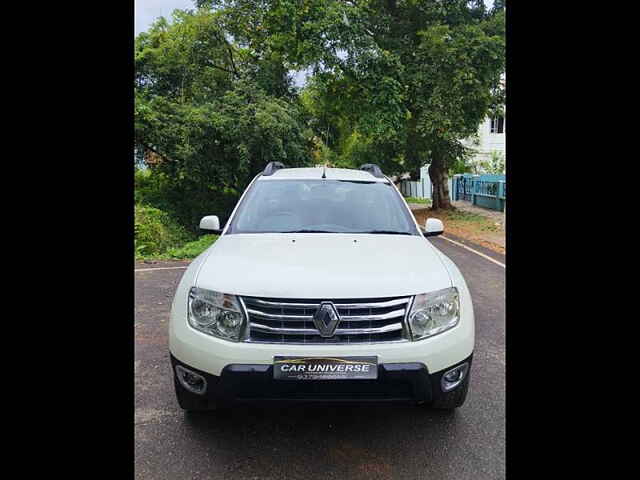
421 188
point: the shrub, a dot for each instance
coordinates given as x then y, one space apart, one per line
155 232
184 201
191 249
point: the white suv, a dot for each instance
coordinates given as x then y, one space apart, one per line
321 287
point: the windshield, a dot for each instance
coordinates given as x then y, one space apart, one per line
322 206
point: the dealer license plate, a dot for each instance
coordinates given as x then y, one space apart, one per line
325 368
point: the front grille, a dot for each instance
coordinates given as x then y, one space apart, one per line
277 320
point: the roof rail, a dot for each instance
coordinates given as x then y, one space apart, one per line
271 168
373 169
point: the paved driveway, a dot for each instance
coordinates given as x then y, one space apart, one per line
359 442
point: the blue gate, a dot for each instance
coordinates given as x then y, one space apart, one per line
488 191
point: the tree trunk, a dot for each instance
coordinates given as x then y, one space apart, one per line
440 194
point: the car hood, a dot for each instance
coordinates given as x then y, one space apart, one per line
322 266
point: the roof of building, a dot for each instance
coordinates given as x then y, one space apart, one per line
316 173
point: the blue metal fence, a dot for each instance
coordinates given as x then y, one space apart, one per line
488 191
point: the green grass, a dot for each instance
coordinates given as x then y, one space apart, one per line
468 220
466 216
426 201
187 251
191 249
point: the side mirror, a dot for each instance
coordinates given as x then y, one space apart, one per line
433 227
210 222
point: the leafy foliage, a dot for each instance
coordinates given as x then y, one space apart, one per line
210 114
155 232
409 78
184 200
395 82
191 249
496 164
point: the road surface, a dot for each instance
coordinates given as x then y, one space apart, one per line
359 442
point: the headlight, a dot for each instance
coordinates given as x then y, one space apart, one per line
434 312
215 313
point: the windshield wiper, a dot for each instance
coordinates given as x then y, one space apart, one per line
386 231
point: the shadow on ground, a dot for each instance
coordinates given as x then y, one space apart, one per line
354 442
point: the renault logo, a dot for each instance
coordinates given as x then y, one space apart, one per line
326 319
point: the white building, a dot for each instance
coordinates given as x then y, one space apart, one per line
490 142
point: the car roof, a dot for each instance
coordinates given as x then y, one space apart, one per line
316 173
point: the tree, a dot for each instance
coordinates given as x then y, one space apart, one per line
210 114
414 76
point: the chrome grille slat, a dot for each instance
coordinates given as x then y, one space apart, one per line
293 318
362 321
265 303
309 318
340 331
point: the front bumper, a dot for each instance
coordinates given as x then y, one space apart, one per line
254 383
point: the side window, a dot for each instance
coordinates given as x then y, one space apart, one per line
497 125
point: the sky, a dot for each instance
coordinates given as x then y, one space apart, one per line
147 11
